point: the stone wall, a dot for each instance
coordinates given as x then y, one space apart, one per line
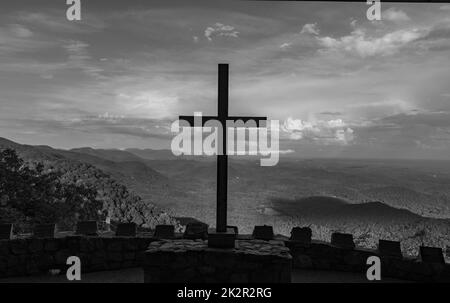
27 256
20 257
251 261
324 256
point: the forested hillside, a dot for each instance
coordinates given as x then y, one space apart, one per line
40 185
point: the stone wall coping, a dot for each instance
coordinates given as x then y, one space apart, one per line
247 247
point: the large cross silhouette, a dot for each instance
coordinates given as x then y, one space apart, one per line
222 159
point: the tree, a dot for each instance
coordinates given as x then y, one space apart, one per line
31 195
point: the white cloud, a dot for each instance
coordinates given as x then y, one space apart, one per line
110 117
310 28
344 135
77 49
285 45
56 22
20 31
394 15
445 7
380 108
18 38
286 151
320 131
46 76
335 123
392 104
220 29
299 125
79 58
358 42
153 104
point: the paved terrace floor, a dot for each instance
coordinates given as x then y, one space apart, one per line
136 275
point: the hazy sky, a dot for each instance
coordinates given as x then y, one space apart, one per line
340 85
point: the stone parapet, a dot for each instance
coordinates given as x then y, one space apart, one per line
256 261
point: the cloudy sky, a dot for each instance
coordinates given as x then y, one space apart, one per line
341 86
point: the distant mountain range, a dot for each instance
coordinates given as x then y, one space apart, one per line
383 198
152 154
121 183
122 166
114 155
320 209
368 222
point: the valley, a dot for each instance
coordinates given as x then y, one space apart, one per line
391 199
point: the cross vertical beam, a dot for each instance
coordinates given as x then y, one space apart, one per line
222 159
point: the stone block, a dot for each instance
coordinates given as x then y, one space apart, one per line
355 260
131 245
114 257
12 261
164 232
18 246
6 231
114 244
263 232
87 228
35 245
98 260
126 230
431 255
140 258
32 267
44 231
85 259
196 230
128 263
143 243
61 257
389 249
114 265
301 235
16 265
4 247
303 261
51 245
3 265
45 261
222 239
342 240
234 228
73 243
128 256
97 243
87 244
